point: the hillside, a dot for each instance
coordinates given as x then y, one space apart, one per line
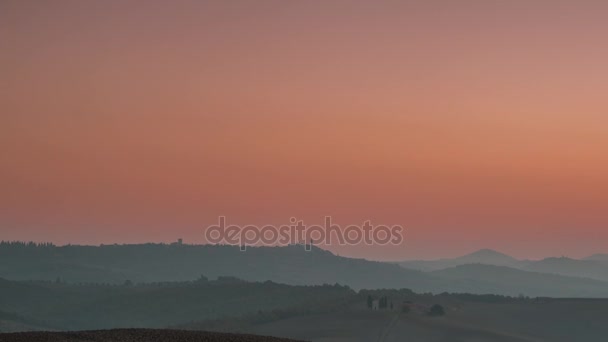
136 335
317 313
570 267
468 318
158 262
479 278
598 257
78 307
483 256
10 322
293 265
593 267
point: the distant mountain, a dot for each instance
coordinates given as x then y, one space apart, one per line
478 278
483 256
293 265
598 257
594 267
570 267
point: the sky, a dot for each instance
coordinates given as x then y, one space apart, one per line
473 124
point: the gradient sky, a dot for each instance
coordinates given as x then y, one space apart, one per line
474 124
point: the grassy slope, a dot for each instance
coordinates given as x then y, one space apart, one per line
466 321
94 307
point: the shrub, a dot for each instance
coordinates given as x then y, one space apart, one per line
436 310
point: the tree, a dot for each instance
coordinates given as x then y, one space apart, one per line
383 304
436 310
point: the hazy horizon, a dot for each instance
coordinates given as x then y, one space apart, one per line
323 247
471 124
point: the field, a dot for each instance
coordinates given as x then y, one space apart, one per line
547 320
329 313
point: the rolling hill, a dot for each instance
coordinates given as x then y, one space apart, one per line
570 267
598 257
594 267
116 264
76 307
481 278
136 335
483 256
293 265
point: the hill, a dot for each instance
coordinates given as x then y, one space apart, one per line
315 313
598 257
136 335
293 265
10 322
483 256
594 267
159 262
468 318
479 278
78 307
570 267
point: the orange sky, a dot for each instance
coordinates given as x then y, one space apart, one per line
473 124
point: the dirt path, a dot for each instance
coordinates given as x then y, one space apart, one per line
387 330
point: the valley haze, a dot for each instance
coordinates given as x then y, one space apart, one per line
293 293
